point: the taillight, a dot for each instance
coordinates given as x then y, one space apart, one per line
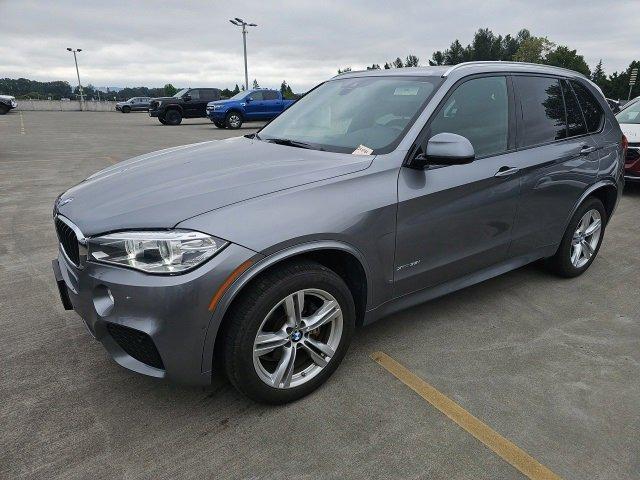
625 143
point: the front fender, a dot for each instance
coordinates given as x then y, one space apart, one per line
260 265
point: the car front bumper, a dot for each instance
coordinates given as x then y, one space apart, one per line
152 324
217 115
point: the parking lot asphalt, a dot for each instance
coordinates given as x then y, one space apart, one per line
553 365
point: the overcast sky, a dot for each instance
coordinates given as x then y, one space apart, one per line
192 43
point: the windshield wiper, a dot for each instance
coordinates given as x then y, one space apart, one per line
293 143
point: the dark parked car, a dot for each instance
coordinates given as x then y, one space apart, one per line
187 103
7 102
246 106
135 104
376 191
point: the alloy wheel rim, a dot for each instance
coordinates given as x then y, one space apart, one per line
586 238
234 120
297 338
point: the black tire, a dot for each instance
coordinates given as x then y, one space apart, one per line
233 121
247 313
4 109
162 120
126 109
218 124
560 263
172 117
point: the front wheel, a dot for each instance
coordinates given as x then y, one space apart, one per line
172 117
3 109
218 124
126 109
581 241
288 332
162 120
233 120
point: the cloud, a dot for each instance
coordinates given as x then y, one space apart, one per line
192 43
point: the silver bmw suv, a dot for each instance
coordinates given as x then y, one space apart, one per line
378 190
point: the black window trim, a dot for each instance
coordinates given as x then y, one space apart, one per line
557 77
424 133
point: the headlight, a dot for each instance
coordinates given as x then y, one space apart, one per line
161 252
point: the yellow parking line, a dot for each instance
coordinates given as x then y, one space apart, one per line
509 452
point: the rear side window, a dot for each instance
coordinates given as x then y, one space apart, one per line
478 110
542 115
575 120
593 113
270 95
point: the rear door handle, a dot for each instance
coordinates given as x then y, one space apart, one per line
586 150
506 171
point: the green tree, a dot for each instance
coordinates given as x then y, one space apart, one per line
387 65
236 90
344 70
397 63
533 50
375 66
255 84
599 77
563 57
437 58
170 90
411 61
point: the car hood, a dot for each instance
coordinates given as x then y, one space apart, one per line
165 99
223 102
631 131
161 189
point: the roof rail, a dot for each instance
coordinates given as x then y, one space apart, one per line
501 62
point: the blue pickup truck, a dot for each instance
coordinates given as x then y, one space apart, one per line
247 106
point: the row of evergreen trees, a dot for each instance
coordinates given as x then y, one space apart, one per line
522 47
23 88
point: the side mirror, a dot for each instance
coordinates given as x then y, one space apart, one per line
186 97
248 99
445 149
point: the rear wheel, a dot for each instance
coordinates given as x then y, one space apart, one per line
172 117
288 332
233 120
581 241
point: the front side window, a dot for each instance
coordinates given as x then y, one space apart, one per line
593 113
542 115
194 94
630 114
180 93
344 113
256 96
478 110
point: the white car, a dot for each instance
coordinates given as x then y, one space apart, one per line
629 120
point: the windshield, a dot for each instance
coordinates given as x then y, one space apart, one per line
343 114
238 96
631 114
181 92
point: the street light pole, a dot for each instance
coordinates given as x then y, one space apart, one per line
241 23
78 73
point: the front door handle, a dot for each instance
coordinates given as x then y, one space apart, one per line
506 171
586 150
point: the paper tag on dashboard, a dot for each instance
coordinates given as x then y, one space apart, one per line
362 150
